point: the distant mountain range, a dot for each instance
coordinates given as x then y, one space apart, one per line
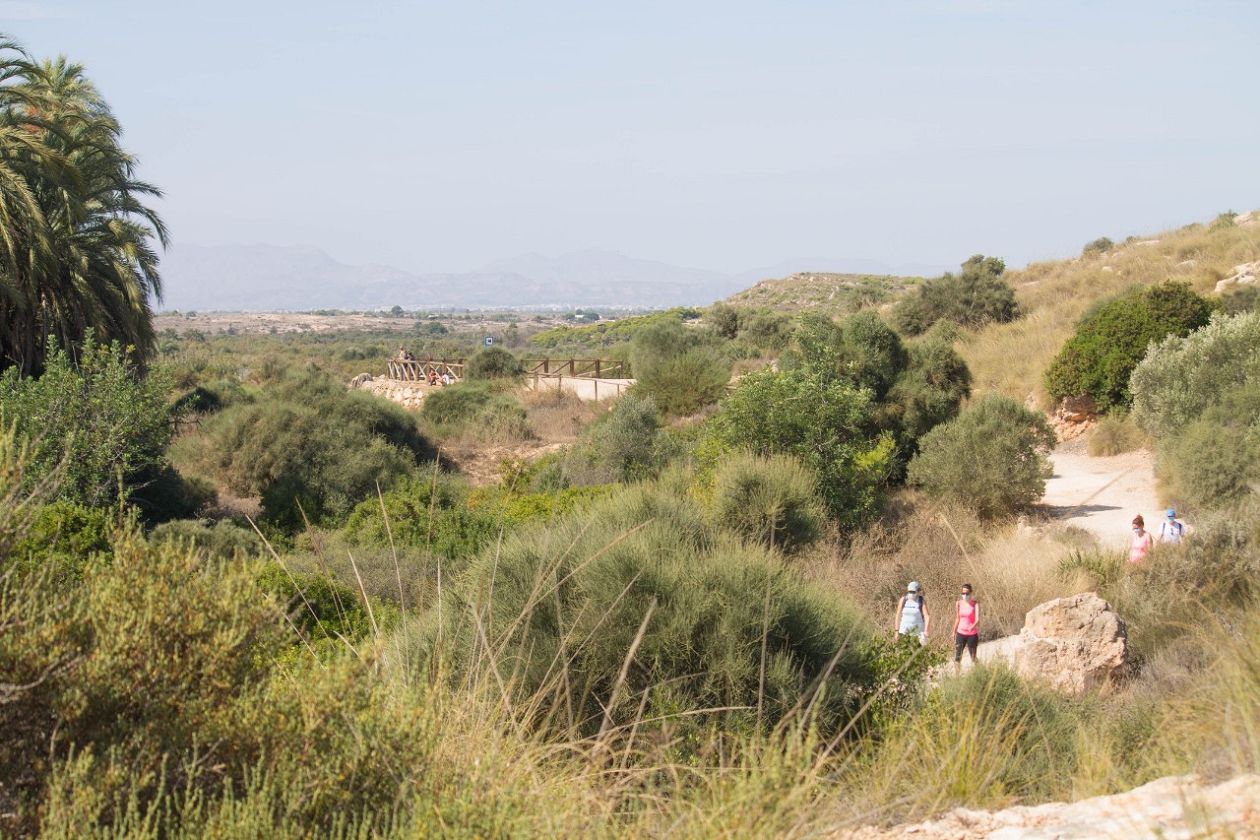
257 278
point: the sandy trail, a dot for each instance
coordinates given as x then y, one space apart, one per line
1102 495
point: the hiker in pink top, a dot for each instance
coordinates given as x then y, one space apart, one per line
966 631
1141 544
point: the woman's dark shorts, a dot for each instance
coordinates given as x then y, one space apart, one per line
968 642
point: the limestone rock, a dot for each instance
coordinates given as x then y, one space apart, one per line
1073 644
1244 275
1174 808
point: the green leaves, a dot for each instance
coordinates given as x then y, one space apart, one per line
76 239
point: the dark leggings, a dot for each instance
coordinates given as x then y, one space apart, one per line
968 642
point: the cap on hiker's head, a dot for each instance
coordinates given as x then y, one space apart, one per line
1172 513
913 587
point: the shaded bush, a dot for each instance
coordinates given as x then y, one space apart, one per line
1097 361
976 296
770 500
222 540
929 391
991 458
826 425
309 447
494 363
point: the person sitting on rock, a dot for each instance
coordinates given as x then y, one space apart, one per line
912 617
433 377
966 631
1170 530
1140 546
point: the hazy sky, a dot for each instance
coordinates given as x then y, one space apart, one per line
725 135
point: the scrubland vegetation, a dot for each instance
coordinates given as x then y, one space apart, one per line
238 599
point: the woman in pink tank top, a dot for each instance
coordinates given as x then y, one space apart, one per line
1140 546
966 629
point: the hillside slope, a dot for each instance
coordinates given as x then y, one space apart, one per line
1010 358
830 293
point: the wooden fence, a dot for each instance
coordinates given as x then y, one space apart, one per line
584 368
414 370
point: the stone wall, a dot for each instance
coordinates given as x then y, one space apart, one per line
409 395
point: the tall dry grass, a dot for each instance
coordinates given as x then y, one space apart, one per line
1010 358
1011 565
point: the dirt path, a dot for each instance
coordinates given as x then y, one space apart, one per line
1102 495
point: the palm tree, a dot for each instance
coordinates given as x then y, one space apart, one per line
84 256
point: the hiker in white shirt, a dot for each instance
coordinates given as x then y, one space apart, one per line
1170 530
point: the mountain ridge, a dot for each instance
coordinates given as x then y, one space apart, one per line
263 277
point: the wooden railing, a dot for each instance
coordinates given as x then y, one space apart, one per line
584 368
414 370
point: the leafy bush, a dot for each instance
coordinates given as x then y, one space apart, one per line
1115 434
771 500
1101 245
63 537
974 297
325 613
1180 377
823 424
477 406
929 391
677 367
1110 340
98 422
1241 299
723 319
222 540
991 458
567 602
494 363
628 442
1200 398
309 447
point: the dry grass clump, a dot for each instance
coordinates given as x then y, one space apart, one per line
557 415
1116 435
1010 358
1012 566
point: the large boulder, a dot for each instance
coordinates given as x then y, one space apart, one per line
1073 644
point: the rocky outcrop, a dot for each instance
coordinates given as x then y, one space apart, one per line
1244 275
409 395
1171 808
1073 644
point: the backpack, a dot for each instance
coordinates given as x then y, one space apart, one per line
1177 530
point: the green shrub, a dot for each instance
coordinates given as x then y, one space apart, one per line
222 540
628 442
928 392
974 297
1199 396
97 421
323 611
478 407
1181 376
991 458
565 605
1115 434
771 500
723 319
824 424
677 368
63 537
1097 361
308 451
494 363
1241 299
872 354
1101 245
1214 461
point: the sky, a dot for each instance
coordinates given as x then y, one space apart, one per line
722 135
